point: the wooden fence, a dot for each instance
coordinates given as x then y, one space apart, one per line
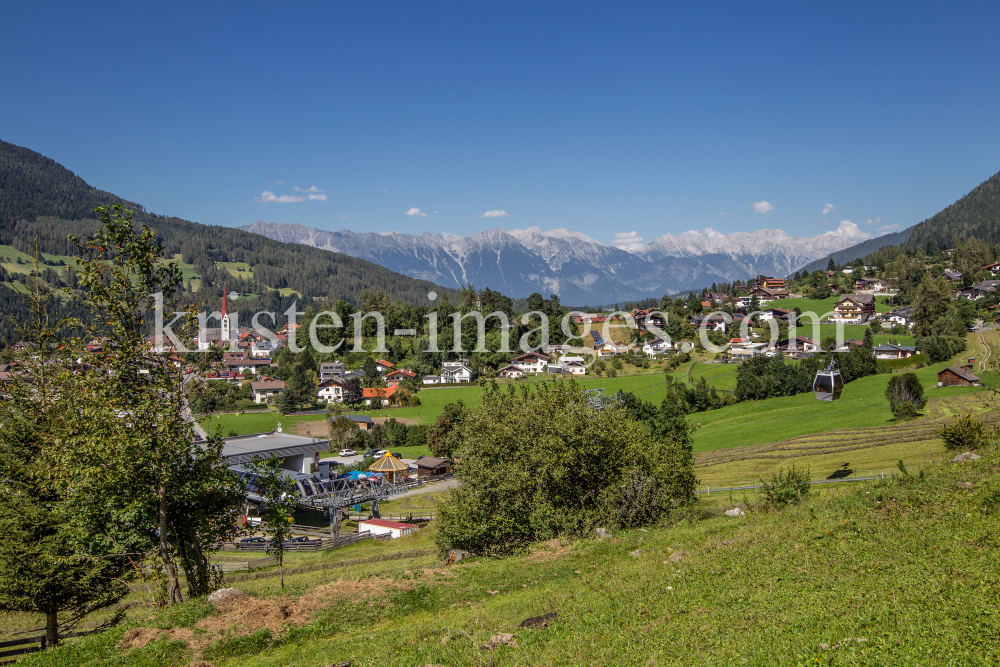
30 644
324 544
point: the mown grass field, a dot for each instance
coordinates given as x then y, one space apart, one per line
821 306
900 572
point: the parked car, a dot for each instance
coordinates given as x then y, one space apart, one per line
380 453
398 455
301 539
347 452
371 452
254 543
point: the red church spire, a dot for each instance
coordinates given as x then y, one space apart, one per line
225 304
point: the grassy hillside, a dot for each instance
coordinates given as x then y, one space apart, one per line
890 573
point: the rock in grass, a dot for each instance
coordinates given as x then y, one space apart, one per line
500 639
636 553
968 486
601 533
538 621
675 557
966 456
736 511
225 595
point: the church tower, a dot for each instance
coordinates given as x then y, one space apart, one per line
225 333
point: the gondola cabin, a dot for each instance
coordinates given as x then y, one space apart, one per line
828 385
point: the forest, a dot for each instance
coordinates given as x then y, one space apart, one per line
42 201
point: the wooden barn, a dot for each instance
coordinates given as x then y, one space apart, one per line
957 377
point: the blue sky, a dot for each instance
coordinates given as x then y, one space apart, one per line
603 118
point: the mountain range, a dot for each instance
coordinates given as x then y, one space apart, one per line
581 270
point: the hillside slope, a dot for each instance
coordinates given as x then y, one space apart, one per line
898 572
41 198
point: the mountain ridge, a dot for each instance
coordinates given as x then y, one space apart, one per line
579 268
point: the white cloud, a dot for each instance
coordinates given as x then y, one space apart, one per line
268 197
712 234
435 211
495 214
281 182
343 216
627 240
850 231
311 188
416 211
886 229
828 208
762 207
875 221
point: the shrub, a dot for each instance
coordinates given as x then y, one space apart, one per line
965 433
905 395
786 486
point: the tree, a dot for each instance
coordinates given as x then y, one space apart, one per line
341 429
869 341
286 402
831 265
278 490
353 392
444 435
47 565
545 461
905 395
139 456
372 377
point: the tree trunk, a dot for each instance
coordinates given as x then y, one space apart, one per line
173 583
51 626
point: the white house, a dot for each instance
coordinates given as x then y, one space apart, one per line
573 367
263 349
900 317
385 527
655 347
266 389
331 391
432 379
452 373
532 362
510 372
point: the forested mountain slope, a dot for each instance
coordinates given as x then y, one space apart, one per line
41 198
976 215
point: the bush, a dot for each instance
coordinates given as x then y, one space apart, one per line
542 461
905 395
965 433
785 487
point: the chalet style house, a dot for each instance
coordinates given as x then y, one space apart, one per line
532 362
331 390
854 308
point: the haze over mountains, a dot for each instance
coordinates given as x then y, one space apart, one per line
581 270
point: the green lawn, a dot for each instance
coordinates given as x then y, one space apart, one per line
254 422
862 403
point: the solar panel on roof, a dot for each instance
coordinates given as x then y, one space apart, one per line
596 336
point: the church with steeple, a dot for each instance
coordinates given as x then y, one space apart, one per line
223 335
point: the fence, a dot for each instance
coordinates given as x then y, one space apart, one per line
13 654
410 516
321 544
847 476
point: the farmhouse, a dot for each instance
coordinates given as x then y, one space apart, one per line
955 376
900 316
399 375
